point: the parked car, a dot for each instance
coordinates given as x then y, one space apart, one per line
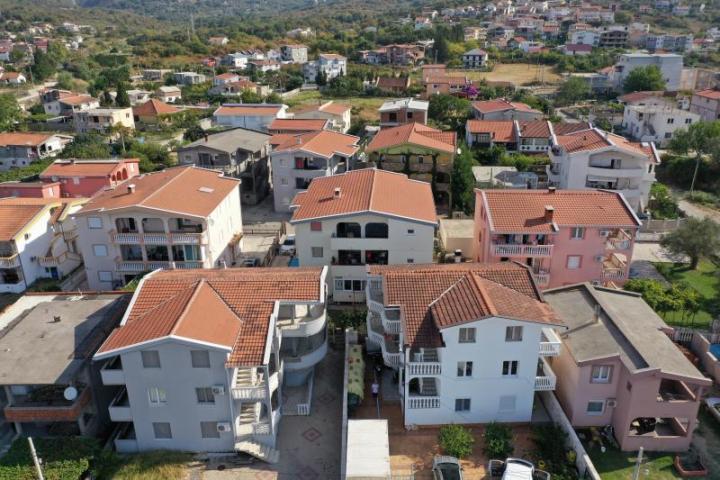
288 246
446 468
251 262
515 469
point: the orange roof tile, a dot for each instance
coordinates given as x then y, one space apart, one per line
189 190
535 129
298 124
516 211
416 134
637 96
23 139
500 104
595 139
153 108
324 142
711 94
84 168
230 308
334 108
415 288
16 213
366 190
566 128
77 99
502 131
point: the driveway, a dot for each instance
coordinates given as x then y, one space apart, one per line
698 211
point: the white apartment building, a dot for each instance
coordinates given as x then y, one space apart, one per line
331 64
670 65
294 53
338 114
358 218
19 149
298 159
102 120
469 340
656 123
211 360
706 103
251 116
597 159
179 218
37 240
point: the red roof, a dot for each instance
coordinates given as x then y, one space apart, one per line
535 129
297 124
323 142
711 94
23 139
153 108
595 139
638 96
432 297
502 131
230 308
85 168
500 105
250 110
578 47
366 190
413 134
516 211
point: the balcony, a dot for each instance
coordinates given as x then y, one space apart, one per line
306 325
619 240
614 268
55 261
140 266
550 343
125 439
611 172
112 372
415 403
119 408
391 320
374 294
520 250
306 360
160 238
10 262
357 243
47 404
545 378
248 385
424 368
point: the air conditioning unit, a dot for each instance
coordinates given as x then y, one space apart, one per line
224 427
611 403
218 389
604 233
599 258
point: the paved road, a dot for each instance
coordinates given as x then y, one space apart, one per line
698 211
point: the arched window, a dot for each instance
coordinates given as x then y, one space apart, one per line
348 230
376 230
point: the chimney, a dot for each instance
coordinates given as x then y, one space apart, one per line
131 188
337 193
596 313
551 189
549 213
206 138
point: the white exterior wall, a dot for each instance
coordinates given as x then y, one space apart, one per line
338 123
179 379
35 246
657 125
400 245
284 174
250 122
487 384
670 65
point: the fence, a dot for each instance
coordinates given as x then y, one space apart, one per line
583 462
661 226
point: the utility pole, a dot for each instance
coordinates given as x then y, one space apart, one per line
36 460
697 167
638 464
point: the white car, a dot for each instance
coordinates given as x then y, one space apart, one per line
288 246
515 469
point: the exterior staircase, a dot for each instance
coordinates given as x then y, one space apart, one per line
247 416
258 450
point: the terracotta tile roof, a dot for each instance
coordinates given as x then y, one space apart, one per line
188 190
77 99
324 142
578 47
711 94
535 129
23 139
414 134
414 288
392 82
84 168
449 79
251 110
17 212
502 131
366 190
500 105
229 307
515 211
298 124
334 108
638 96
153 108
331 56
566 128
595 139
227 76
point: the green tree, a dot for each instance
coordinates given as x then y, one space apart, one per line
194 132
696 238
498 440
456 440
662 204
449 111
87 146
462 181
43 67
701 138
122 99
65 81
572 91
10 112
652 291
647 78
623 18
441 49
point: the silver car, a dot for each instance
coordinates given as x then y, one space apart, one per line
446 468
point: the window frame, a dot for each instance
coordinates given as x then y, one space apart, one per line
574 231
101 246
150 352
601 379
155 431
99 223
215 433
464 369
157 396
510 333
314 250
511 367
467 338
463 404
193 354
593 412
207 393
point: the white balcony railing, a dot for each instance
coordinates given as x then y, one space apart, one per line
112 373
542 278
10 262
546 379
248 392
423 402
159 238
550 343
424 368
510 250
392 359
308 359
613 273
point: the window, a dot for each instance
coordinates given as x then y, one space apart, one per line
507 403
601 374
209 430
668 134
150 359
514 334
157 396
510 368
205 395
94 222
410 260
462 404
670 121
200 358
420 159
283 181
688 121
577 233
162 430
105 276
27 236
316 226
411 231
573 262
339 283
76 181
317 252
464 369
595 408
100 250
466 335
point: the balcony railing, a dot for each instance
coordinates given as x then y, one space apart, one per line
10 262
140 266
55 261
24 409
308 359
550 343
119 408
160 238
423 402
392 359
542 278
424 368
545 378
112 372
510 250
614 273
620 241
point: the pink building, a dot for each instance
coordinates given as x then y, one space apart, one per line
84 178
565 236
618 367
30 189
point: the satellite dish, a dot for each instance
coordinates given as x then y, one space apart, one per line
70 394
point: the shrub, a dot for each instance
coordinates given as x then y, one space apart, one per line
456 440
63 458
550 441
498 441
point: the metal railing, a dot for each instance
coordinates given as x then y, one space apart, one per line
522 250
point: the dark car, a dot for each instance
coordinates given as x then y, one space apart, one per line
446 468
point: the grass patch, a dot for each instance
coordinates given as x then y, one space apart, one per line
617 465
363 107
705 280
160 465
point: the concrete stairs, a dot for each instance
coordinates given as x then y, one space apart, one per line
258 450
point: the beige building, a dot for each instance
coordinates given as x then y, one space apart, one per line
101 120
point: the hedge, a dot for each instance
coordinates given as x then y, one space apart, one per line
63 458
